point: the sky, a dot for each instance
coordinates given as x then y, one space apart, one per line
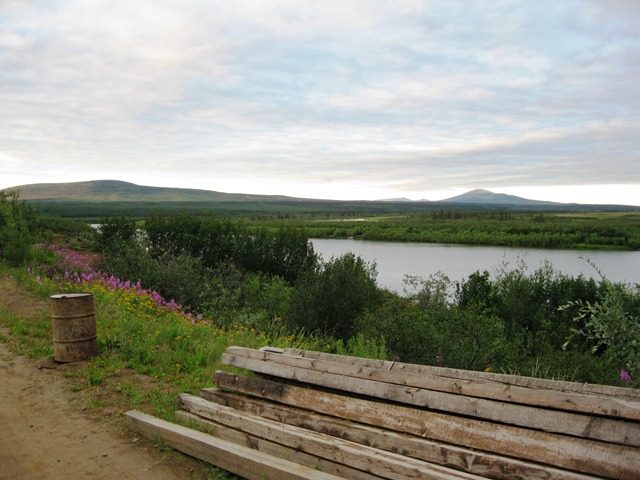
335 99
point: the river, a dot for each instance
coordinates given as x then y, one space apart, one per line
394 260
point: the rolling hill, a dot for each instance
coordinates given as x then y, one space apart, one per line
102 198
115 190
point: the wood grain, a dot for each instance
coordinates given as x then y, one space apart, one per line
234 458
586 456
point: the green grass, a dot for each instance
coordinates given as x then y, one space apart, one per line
28 337
136 335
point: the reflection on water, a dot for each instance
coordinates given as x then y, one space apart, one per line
394 260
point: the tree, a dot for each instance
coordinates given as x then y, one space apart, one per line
331 297
18 228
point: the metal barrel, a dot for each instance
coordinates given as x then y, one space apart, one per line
74 327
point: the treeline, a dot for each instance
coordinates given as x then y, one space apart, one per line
540 323
613 231
285 252
93 211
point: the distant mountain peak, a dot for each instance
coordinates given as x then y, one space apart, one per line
400 199
483 191
482 196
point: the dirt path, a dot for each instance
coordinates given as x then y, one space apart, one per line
44 434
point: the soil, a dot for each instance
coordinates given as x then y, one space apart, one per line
47 434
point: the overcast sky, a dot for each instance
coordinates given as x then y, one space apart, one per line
347 99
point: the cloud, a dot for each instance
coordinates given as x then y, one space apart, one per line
402 97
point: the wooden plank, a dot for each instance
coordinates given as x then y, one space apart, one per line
472 461
631 394
237 459
586 456
355 380
379 462
622 407
271 448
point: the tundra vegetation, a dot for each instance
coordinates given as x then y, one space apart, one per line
175 290
172 293
575 230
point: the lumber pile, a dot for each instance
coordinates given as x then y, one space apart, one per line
316 415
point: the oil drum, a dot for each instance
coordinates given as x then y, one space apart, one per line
74 327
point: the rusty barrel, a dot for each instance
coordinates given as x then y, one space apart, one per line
74 327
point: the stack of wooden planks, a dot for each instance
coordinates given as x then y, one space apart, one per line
316 415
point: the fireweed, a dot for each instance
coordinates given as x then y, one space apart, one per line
73 268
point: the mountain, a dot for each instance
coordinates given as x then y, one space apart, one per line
117 191
400 199
485 197
103 198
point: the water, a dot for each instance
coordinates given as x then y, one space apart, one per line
394 260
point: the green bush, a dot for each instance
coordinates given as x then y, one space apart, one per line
611 325
330 298
18 228
410 337
115 233
285 252
439 334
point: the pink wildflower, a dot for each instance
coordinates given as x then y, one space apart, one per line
625 376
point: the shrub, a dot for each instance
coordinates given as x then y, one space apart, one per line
116 232
18 228
410 337
286 252
612 326
330 298
181 278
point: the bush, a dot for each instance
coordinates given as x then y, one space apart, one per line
285 253
611 325
410 337
330 298
439 334
18 228
116 233
181 278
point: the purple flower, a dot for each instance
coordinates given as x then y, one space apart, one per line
625 376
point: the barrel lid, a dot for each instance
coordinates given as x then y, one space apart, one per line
59 296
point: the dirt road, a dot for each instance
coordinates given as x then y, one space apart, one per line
44 433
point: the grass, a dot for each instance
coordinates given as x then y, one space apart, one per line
134 334
29 337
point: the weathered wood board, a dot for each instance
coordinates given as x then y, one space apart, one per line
248 463
571 453
379 462
487 378
271 448
472 461
359 380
